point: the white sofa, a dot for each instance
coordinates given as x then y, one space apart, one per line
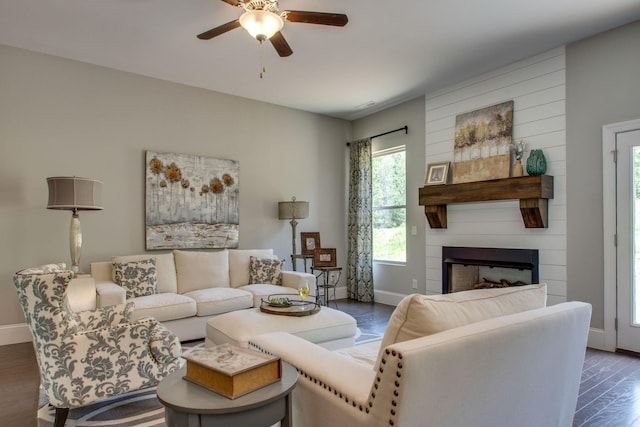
194 286
519 369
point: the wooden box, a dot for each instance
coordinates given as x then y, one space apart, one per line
232 371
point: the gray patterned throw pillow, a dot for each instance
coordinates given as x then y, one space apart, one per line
265 271
138 278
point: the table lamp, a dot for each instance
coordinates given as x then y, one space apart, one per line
293 210
74 194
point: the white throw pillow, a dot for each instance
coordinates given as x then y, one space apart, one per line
239 264
201 270
421 315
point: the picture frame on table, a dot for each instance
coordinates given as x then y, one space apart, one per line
310 242
324 257
437 173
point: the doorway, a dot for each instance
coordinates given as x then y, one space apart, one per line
628 239
621 198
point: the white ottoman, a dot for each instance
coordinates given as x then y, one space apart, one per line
328 328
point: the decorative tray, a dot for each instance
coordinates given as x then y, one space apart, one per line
289 305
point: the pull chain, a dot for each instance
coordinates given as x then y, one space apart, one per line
263 69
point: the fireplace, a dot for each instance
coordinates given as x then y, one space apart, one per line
465 267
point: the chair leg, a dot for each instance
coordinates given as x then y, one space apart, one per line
61 417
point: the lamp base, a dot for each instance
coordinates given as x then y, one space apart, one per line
293 223
75 242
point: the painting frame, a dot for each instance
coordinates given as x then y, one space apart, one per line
324 258
437 173
309 242
482 143
191 201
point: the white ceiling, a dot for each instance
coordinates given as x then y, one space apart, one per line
389 52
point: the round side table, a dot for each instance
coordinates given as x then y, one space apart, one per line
190 405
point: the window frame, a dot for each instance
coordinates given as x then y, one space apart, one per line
386 152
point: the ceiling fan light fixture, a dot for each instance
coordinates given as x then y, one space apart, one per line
261 24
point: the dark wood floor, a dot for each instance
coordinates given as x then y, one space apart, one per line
609 392
19 381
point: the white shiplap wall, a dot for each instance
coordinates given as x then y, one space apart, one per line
537 87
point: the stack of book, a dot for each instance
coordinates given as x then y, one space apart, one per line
232 371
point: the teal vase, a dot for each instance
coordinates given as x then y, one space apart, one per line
536 163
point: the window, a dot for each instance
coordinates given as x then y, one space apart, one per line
389 202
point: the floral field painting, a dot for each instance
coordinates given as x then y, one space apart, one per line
191 201
482 144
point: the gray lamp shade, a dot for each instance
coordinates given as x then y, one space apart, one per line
74 193
293 210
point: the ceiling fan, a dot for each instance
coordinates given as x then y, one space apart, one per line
263 20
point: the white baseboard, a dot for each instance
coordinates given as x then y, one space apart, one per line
597 340
14 334
389 298
383 297
341 292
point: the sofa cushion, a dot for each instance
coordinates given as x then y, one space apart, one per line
220 300
420 315
265 271
138 278
201 270
262 291
239 264
163 307
165 269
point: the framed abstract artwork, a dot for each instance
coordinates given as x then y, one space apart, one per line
191 202
482 144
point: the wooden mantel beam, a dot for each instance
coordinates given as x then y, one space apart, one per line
533 191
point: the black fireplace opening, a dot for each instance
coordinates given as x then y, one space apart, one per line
468 267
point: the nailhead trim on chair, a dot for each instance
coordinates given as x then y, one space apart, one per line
396 393
361 408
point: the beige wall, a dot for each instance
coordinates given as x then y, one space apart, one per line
393 281
603 87
61 117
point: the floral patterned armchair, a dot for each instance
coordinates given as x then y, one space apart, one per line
90 355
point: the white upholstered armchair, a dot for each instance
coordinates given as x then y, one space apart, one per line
520 369
90 355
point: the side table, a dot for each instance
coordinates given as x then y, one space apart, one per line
322 282
190 405
304 258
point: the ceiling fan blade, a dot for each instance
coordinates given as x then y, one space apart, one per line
280 44
335 19
232 2
208 35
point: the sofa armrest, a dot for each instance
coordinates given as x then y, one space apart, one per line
110 293
82 294
330 372
293 279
